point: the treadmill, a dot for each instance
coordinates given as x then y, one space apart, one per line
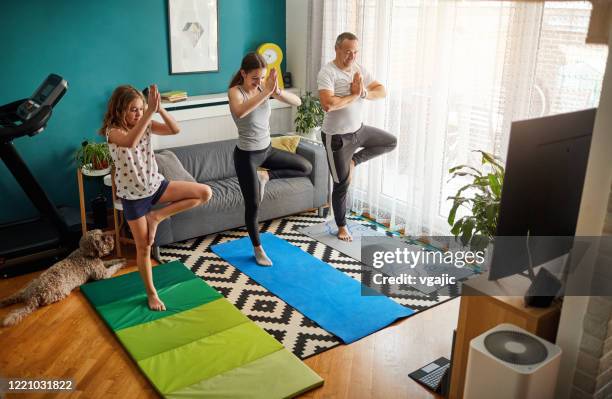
37 243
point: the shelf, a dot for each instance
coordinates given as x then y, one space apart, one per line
209 100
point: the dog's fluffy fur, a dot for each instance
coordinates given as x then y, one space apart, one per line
59 280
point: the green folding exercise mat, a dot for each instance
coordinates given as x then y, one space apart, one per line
201 346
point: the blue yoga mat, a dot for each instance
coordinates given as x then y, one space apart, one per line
322 293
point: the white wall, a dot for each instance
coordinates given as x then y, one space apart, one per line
297 40
591 219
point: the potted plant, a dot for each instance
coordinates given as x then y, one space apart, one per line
94 159
309 116
477 229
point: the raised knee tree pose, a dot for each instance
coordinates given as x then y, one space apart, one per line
250 108
343 87
128 126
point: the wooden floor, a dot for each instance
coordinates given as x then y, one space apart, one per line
68 340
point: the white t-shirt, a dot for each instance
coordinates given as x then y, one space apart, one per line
136 174
349 118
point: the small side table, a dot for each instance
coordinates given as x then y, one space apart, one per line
106 174
89 173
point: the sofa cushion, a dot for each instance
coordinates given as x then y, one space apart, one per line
283 197
208 161
286 143
227 194
171 168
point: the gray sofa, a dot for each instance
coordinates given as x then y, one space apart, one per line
213 164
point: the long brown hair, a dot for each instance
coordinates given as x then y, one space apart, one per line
250 62
118 107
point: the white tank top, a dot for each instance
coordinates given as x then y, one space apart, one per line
136 173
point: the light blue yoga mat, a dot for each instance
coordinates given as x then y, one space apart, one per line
322 293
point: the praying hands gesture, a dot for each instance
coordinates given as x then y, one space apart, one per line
271 85
153 99
357 84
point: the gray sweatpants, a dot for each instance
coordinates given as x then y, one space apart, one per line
341 149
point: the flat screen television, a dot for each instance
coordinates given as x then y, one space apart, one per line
542 190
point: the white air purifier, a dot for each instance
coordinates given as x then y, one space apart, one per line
508 362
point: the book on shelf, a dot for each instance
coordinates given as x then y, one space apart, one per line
174 96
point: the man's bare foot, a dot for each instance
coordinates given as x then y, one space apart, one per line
263 177
152 223
155 303
344 234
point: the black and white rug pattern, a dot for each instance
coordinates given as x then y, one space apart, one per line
295 331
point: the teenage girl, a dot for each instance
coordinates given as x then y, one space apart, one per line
250 108
128 126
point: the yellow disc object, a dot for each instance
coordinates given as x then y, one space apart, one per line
273 56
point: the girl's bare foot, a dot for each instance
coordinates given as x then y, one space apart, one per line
152 223
155 303
261 258
344 234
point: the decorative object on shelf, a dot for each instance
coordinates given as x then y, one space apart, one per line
309 116
273 56
192 31
478 228
288 80
94 159
173 96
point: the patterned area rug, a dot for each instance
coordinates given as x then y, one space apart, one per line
297 333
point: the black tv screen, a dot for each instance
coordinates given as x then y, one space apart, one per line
542 190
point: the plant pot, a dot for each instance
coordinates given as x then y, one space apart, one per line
313 134
88 170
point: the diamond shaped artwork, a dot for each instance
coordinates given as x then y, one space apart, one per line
195 31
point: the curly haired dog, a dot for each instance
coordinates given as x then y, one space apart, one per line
60 279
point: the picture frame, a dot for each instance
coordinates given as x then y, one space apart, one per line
193 36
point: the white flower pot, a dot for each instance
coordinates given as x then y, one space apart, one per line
313 134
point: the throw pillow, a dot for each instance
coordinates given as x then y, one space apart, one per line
286 143
170 166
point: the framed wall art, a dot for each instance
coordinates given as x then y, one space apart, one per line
193 36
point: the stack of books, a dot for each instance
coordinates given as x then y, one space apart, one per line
173 96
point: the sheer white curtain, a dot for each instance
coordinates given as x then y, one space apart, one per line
457 74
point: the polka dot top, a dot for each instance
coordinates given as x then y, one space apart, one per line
136 173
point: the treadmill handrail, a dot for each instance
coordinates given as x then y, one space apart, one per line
29 127
10 109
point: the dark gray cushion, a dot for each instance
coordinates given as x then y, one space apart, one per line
171 168
208 161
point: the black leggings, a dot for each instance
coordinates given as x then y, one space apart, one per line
341 149
280 163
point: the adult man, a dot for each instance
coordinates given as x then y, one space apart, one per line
343 87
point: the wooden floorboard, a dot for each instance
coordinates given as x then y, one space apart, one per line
69 340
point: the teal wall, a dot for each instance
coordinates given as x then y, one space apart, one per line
96 46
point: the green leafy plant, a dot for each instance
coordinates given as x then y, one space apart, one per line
478 228
309 114
93 156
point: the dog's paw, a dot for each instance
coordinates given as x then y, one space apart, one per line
11 319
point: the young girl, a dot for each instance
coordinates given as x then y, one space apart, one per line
128 125
250 108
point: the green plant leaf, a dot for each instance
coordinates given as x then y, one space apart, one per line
494 184
467 230
457 227
453 169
